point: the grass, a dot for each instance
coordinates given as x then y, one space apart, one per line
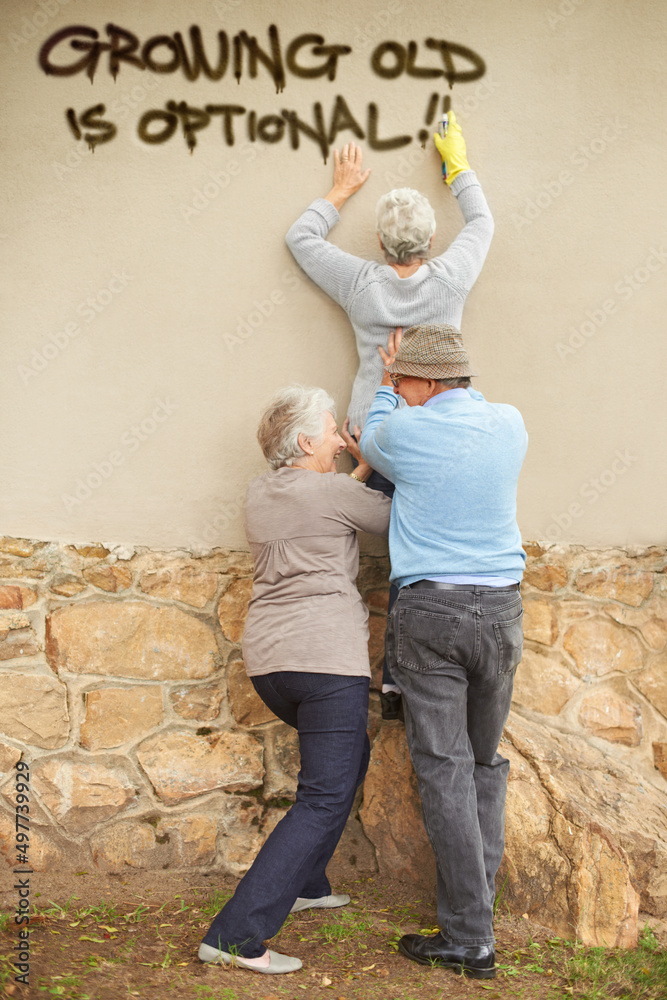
591 973
344 927
106 911
113 950
215 902
600 974
208 993
55 910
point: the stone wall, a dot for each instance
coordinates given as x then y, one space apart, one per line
121 681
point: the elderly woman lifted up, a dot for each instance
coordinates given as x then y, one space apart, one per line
305 650
408 289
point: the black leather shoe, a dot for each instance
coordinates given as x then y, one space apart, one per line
477 961
392 705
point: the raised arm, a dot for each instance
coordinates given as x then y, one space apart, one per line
335 271
385 402
464 258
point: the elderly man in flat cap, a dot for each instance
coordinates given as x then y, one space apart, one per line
455 631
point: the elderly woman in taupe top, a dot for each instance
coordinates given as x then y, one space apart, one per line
305 650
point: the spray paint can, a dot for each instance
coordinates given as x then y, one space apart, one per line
443 128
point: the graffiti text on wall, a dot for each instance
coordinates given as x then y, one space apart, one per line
81 49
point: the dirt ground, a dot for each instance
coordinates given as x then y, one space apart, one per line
136 934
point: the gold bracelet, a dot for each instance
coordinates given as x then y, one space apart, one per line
352 476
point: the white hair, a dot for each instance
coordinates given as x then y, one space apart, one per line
294 410
406 223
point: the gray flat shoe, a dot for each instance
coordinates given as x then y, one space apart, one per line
278 963
323 903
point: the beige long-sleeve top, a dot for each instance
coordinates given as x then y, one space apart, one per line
305 612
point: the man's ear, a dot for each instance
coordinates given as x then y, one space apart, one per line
433 387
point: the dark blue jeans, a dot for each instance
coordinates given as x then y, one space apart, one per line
376 481
330 714
454 655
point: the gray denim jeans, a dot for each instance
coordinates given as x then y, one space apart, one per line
454 654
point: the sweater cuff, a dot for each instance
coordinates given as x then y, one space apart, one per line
326 210
464 180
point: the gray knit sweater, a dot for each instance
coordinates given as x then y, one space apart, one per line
375 299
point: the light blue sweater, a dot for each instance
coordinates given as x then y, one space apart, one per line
456 467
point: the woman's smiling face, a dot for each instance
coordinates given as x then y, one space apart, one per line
323 452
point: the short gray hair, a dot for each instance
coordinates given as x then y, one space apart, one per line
406 223
462 382
294 410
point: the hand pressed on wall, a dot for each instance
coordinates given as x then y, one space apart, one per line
348 174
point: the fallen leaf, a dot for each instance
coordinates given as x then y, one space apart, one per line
326 981
103 927
367 968
85 937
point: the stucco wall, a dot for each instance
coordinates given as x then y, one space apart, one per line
151 306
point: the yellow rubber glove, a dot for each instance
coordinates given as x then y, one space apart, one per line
452 150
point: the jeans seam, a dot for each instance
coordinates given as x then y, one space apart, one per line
477 649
